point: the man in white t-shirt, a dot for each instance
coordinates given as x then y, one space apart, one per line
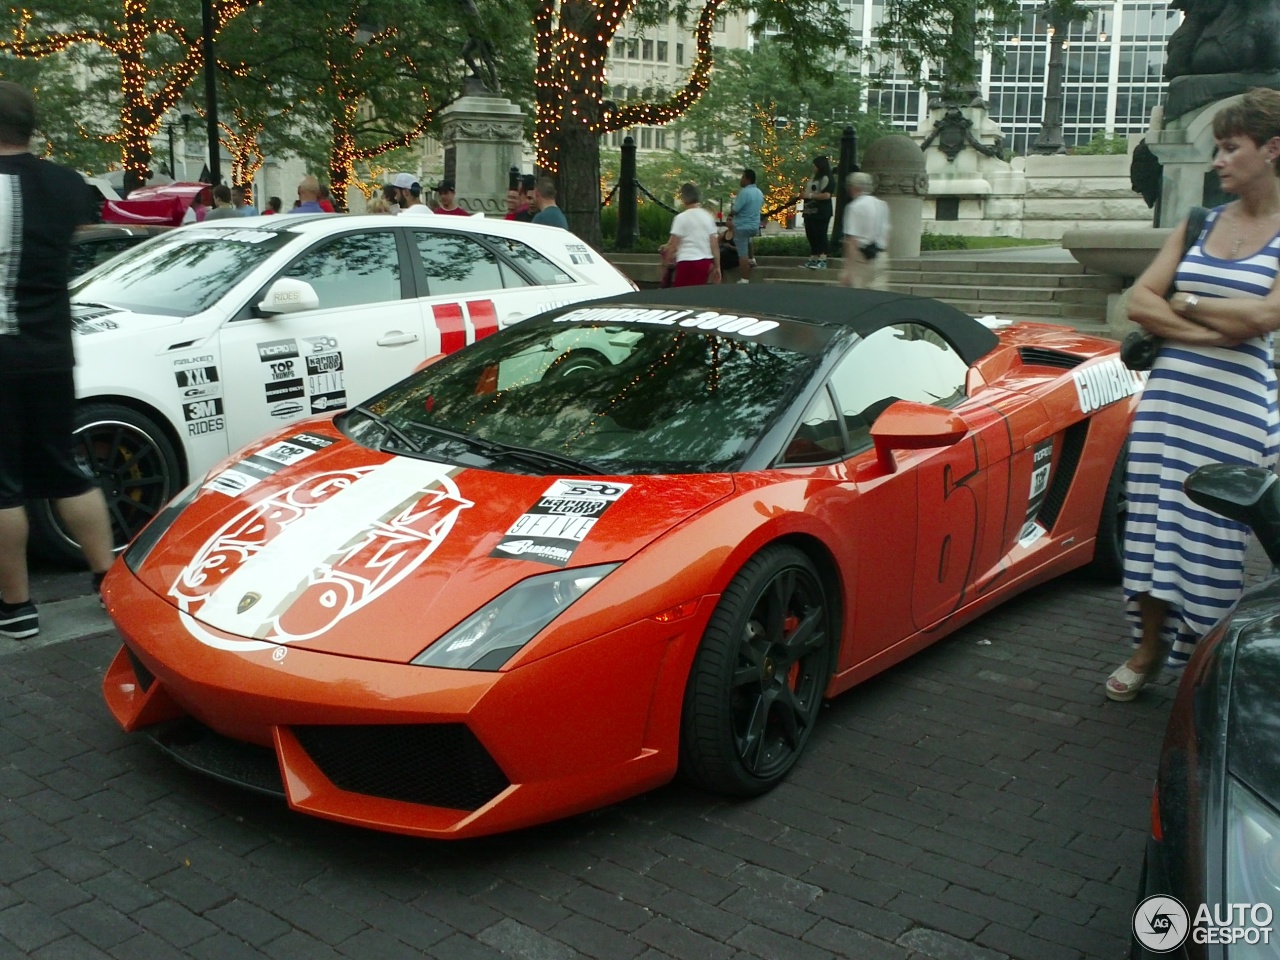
693 246
866 237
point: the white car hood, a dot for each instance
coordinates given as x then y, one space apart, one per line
98 320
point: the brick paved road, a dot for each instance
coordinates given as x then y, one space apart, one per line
980 801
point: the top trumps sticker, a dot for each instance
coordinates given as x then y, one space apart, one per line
552 529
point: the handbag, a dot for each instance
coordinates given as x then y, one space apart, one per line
1139 349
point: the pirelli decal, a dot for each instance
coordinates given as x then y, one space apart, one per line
551 530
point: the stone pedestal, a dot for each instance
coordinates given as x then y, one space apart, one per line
1184 146
483 138
898 165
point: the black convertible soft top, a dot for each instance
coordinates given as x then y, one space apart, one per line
864 311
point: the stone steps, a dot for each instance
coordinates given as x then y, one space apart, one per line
1046 291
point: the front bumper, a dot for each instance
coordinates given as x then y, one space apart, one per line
416 750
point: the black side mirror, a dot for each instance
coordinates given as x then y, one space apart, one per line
1245 494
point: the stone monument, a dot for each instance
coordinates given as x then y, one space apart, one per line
902 181
483 138
1220 50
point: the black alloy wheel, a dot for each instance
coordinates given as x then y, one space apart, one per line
1108 554
134 463
756 685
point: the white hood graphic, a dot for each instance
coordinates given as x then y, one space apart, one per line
295 563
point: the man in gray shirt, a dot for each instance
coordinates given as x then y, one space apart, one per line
548 214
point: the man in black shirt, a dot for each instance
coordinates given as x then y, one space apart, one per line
41 204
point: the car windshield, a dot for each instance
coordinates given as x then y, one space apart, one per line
612 398
180 273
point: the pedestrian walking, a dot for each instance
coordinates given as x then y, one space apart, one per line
222 207
308 196
817 212
694 245
865 263
41 204
409 196
1210 397
240 200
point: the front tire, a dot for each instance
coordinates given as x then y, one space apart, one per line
132 460
1108 554
757 681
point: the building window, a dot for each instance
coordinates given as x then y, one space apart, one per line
635 94
646 138
679 54
633 49
720 24
660 139
619 47
662 51
646 47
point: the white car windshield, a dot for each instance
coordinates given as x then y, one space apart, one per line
180 273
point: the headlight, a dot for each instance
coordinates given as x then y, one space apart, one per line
137 551
490 637
1253 863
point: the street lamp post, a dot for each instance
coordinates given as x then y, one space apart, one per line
210 90
1049 141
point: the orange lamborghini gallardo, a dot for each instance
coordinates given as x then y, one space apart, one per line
610 544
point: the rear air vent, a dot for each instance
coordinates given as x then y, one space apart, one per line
1068 461
1043 357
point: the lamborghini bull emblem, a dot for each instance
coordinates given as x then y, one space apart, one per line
315 553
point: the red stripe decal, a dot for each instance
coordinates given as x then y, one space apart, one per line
453 332
484 317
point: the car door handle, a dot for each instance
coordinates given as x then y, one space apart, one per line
513 318
396 339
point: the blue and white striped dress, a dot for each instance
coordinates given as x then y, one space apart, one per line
1200 405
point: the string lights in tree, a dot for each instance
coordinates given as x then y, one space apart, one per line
569 74
778 154
127 39
344 153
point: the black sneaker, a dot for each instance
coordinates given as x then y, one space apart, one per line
19 620
97 588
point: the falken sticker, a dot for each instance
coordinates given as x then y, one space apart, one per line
699 320
261 464
291 566
1099 385
1041 464
553 528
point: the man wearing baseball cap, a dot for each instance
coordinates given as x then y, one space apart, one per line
409 196
449 200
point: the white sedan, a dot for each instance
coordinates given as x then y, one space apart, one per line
195 343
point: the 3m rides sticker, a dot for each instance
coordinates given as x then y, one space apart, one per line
552 529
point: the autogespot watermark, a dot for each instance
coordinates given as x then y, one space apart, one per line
1162 924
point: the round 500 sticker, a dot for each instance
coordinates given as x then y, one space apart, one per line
1160 924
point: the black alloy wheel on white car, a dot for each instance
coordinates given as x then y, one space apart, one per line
135 464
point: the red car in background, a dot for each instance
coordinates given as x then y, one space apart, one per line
618 541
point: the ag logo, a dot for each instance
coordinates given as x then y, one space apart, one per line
247 601
1160 924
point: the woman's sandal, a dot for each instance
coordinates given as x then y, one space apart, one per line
1123 684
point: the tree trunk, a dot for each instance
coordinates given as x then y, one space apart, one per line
578 182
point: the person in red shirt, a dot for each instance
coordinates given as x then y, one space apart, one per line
326 204
449 200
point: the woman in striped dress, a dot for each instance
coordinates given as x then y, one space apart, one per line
1210 398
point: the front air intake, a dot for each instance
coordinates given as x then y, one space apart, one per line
435 764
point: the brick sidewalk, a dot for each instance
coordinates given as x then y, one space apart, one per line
980 801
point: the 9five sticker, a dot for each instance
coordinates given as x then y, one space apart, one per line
553 528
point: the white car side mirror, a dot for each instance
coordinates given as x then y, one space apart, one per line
287 295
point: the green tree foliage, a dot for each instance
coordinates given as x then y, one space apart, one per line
152 45
1102 143
940 42
572 42
758 113
76 106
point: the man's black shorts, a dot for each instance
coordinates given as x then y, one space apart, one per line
37 412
